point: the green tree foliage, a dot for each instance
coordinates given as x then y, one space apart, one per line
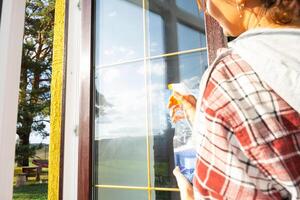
34 95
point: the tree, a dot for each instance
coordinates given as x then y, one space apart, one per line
34 95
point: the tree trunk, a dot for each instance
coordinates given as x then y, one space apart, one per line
24 141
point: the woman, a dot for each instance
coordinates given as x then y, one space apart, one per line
247 120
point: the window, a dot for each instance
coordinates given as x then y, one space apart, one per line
140 47
137 48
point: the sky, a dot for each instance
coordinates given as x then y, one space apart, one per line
36 138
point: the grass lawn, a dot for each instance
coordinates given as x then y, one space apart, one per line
32 190
35 191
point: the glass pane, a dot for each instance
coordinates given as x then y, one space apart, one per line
191 65
188 6
164 71
156 27
170 30
121 98
114 194
119 31
120 126
162 195
189 38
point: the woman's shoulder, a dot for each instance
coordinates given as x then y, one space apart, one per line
232 80
227 79
229 66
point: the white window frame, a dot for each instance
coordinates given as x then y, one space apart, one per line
11 39
70 151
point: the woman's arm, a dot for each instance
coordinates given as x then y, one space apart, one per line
185 187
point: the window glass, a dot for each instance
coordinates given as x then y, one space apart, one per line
156 36
113 194
163 195
138 50
192 65
169 30
164 71
189 38
119 31
120 126
188 6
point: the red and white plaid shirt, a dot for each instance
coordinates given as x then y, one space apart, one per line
248 138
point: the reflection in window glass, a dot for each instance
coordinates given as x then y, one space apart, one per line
111 194
162 72
170 30
120 142
192 65
119 31
156 29
162 195
124 106
189 38
188 6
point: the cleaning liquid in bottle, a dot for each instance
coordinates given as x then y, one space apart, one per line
184 152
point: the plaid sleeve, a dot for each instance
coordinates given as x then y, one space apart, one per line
249 138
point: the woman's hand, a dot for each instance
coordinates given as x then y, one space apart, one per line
185 187
182 102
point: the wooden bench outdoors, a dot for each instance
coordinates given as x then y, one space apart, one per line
32 172
35 171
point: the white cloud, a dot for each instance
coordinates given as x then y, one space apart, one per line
158 69
110 75
141 71
35 138
114 54
127 117
112 14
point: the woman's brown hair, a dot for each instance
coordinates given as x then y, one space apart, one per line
283 11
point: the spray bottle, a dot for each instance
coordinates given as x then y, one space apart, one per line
184 151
